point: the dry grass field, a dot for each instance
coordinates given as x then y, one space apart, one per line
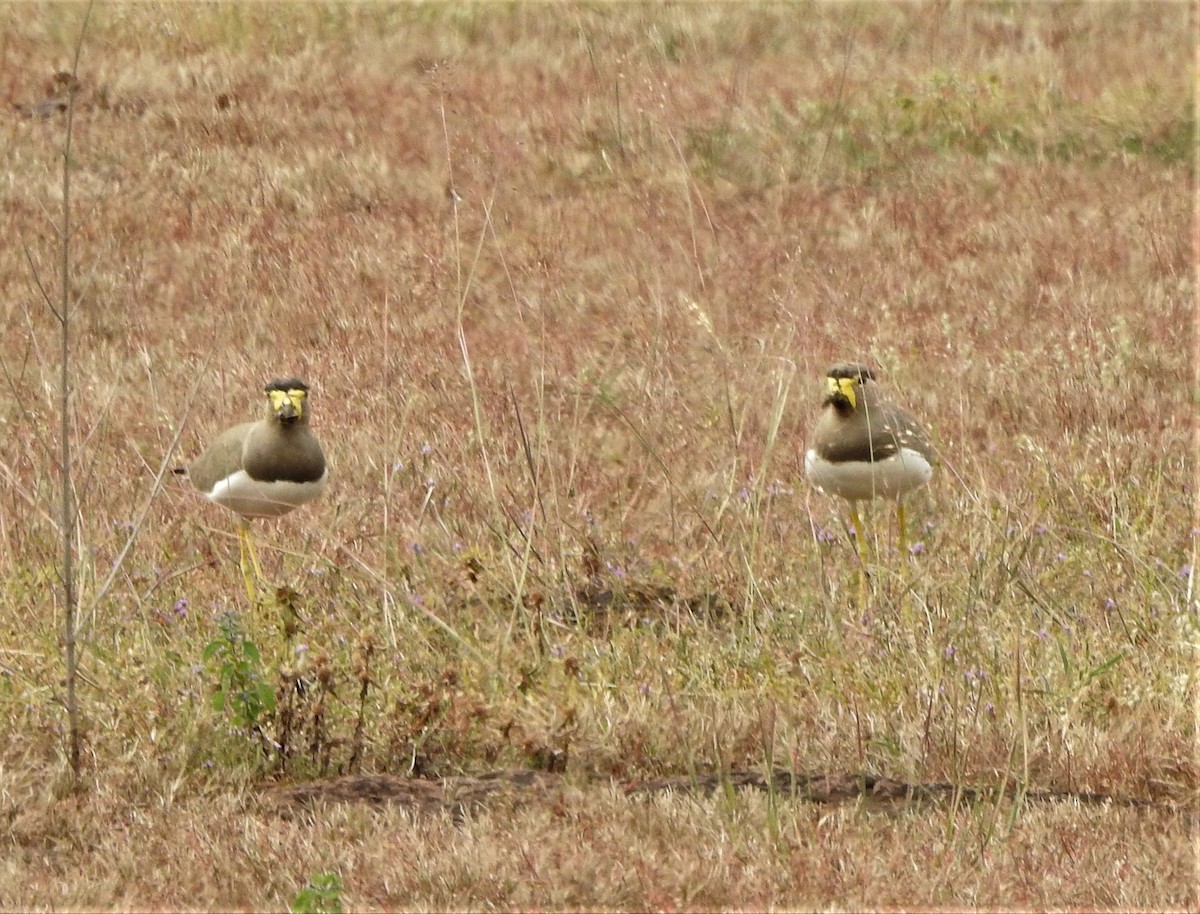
569 629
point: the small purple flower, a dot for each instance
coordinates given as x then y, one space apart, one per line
643 688
1061 557
775 488
1110 603
397 467
418 549
824 534
1040 529
989 709
430 482
426 450
301 649
949 652
1185 572
744 493
1042 635
615 569
456 547
181 607
917 548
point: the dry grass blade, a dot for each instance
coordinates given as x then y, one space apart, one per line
567 279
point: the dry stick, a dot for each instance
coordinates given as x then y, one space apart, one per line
63 313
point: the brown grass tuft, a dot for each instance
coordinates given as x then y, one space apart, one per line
564 280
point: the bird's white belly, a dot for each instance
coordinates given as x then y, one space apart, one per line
858 480
251 498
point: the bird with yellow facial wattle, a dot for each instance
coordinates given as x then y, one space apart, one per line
864 446
265 468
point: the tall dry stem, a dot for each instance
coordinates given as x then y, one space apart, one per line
63 313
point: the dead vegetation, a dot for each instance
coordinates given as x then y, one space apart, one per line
569 626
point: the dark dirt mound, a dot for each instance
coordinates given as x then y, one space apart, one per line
457 795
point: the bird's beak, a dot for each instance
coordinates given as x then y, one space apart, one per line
287 405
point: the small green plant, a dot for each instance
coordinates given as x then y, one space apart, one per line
322 895
242 690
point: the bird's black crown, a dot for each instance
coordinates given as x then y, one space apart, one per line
285 384
859 373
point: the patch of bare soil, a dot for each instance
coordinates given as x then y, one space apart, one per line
458 795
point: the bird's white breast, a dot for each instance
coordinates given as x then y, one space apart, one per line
858 480
254 498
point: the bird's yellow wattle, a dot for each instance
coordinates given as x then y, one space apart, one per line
843 387
279 398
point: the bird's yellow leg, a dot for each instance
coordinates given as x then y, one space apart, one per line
900 519
863 550
251 571
860 534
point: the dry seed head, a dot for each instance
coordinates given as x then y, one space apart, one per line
701 317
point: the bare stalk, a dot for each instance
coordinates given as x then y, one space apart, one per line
63 313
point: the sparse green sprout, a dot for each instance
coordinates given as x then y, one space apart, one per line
322 895
242 691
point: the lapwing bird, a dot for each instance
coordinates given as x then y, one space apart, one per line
265 468
864 446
